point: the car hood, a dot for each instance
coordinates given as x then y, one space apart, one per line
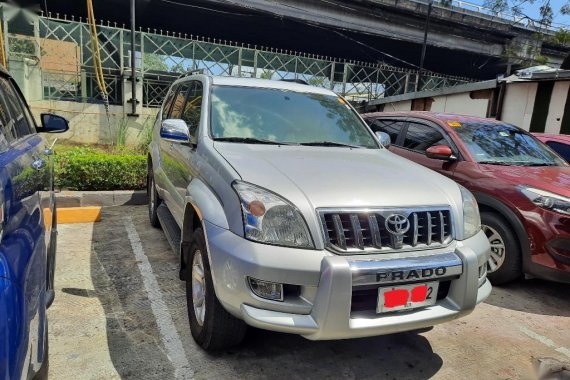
340 177
555 179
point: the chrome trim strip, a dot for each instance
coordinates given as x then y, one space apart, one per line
416 230
441 227
429 228
421 268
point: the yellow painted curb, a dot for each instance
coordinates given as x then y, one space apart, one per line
89 214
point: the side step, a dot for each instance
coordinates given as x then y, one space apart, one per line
170 227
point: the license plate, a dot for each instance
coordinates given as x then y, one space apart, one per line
406 297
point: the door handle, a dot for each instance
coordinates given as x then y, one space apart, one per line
38 164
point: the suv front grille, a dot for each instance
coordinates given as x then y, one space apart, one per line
371 231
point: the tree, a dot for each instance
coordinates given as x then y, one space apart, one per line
529 52
154 62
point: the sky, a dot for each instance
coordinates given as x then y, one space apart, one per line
532 10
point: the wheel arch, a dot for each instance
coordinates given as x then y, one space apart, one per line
201 204
491 204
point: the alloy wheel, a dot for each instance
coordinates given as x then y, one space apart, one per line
198 288
498 252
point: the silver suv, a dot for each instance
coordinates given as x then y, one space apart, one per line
289 215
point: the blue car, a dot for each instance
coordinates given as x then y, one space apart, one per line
28 234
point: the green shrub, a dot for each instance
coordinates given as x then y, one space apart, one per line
83 168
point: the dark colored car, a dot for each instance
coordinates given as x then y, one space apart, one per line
522 186
28 234
558 143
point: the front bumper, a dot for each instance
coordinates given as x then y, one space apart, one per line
324 306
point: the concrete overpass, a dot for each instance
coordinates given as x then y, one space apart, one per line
461 41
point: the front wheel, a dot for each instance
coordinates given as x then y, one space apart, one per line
212 327
505 262
153 200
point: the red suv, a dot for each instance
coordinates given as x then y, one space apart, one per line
521 185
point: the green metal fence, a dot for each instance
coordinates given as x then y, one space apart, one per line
61 46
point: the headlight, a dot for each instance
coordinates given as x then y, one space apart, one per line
471 217
547 200
270 219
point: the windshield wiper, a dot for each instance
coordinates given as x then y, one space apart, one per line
537 163
505 163
517 163
249 140
328 143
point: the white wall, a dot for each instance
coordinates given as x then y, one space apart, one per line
88 123
405 105
461 104
556 108
519 103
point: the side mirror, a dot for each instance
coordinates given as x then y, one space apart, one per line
440 152
53 123
175 130
384 139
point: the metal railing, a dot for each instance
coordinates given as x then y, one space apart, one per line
61 46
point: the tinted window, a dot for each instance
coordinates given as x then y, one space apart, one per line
178 102
168 101
391 127
286 117
7 125
561 149
193 107
504 144
419 137
19 116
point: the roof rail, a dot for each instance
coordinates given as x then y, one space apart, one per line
193 72
300 81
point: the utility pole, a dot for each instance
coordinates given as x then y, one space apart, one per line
424 46
133 62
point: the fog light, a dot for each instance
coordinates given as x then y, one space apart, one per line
265 289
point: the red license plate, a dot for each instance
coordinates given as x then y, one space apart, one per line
405 297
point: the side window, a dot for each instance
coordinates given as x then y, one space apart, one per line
19 116
391 127
7 128
193 107
179 101
168 102
561 149
419 137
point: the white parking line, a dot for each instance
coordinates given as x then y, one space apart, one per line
546 341
168 333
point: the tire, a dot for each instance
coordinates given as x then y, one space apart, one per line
153 200
42 374
505 262
212 327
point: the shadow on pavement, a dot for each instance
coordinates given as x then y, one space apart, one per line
132 334
276 355
533 296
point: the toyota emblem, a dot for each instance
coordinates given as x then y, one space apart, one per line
397 224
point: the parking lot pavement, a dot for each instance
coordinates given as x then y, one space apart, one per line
120 312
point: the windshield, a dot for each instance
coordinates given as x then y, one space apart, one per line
262 115
503 144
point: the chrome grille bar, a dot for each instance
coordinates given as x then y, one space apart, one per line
375 231
341 238
416 230
357 230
